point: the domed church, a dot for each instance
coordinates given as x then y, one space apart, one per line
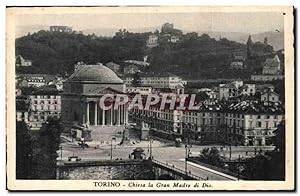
82 92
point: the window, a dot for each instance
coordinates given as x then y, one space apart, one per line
259 124
258 117
267 124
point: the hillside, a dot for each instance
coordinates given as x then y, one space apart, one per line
194 56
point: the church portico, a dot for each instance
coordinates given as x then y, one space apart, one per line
83 91
97 116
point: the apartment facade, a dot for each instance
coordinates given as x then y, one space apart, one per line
43 106
158 81
248 123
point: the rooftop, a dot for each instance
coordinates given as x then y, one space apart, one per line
96 73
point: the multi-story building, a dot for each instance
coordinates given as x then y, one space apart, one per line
238 61
265 78
138 63
253 121
174 39
165 80
271 70
42 106
33 80
248 89
229 90
21 62
143 90
22 108
272 66
261 88
269 96
249 123
205 124
152 41
162 123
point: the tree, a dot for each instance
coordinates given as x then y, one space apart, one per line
211 156
257 168
204 37
266 41
46 150
249 47
201 96
24 151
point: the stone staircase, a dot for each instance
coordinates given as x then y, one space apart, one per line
102 136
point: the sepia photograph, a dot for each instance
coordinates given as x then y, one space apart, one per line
150 98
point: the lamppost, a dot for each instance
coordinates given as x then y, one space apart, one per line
187 138
150 144
111 147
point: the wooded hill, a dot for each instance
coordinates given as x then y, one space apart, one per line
193 56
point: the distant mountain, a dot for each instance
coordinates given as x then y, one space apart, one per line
275 39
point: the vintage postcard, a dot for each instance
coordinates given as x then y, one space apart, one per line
150 98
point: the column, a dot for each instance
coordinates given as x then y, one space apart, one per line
111 116
121 114
88 113
96 113
126 114
103 117
118 116
263 142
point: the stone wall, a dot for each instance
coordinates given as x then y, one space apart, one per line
125 172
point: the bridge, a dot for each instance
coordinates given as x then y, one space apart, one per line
137 169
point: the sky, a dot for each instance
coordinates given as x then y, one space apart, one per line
250 22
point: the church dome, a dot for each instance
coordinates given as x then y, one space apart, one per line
96 73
